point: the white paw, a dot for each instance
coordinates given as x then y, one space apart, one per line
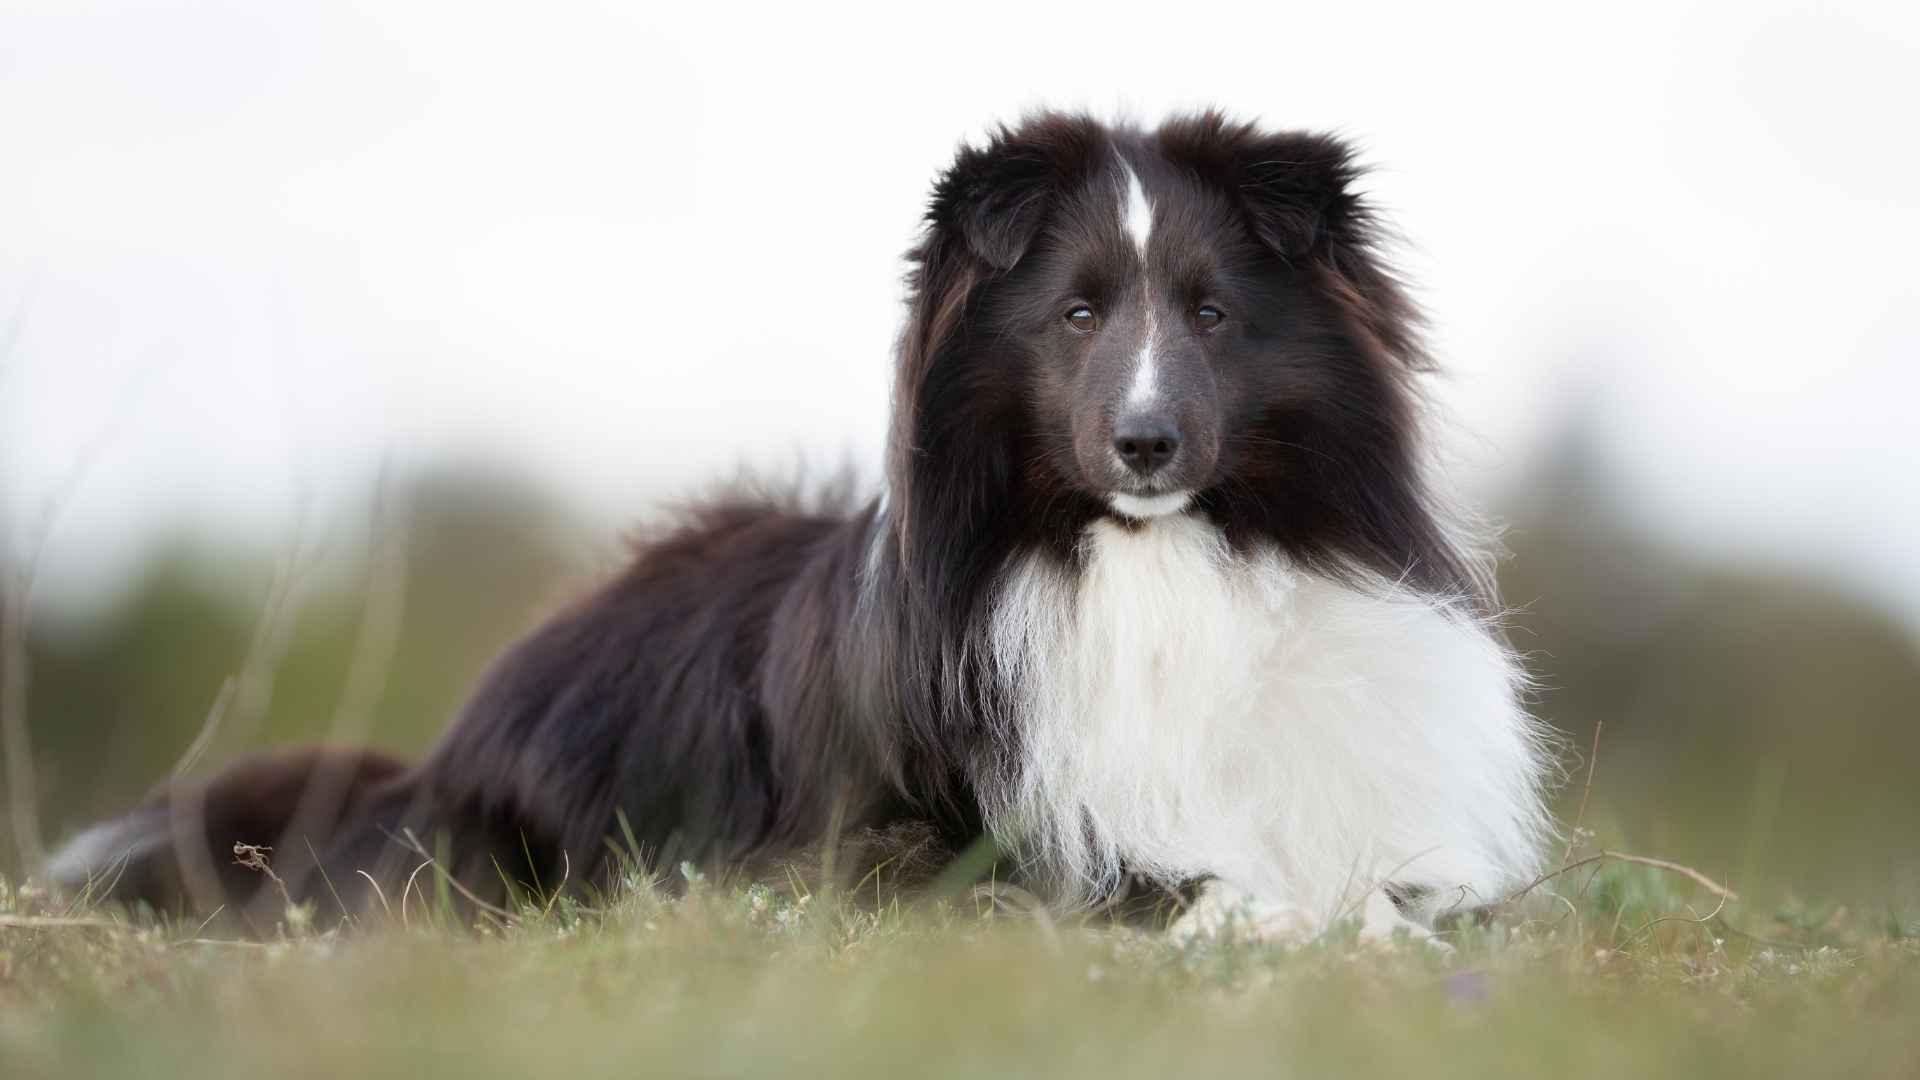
1222 911
1382 925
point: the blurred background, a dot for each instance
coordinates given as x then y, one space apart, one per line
338 342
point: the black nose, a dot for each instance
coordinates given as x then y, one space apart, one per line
1146 443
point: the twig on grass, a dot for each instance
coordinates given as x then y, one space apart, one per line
1568 862
254 857
1699 878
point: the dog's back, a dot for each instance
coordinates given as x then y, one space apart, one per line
684 711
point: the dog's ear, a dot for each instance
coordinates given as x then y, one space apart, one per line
995 198
986 210
1297 192
1295 187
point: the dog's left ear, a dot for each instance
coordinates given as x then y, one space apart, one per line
995 198
1295 187
1297 192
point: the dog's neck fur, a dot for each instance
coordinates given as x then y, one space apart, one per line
1184 711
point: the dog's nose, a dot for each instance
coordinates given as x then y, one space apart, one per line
1146 442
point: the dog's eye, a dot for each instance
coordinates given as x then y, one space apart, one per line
1082 319
1207 318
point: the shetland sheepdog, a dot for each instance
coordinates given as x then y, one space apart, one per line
1158 597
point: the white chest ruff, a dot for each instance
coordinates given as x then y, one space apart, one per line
1184 712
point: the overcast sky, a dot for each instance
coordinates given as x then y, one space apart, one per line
247 248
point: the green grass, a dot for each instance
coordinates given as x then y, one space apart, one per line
1627 976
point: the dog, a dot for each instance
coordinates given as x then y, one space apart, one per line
1159 599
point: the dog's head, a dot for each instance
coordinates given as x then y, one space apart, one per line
1190 320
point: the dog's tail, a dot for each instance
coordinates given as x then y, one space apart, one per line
251 839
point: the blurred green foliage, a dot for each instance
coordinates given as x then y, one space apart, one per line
1759 724
119 698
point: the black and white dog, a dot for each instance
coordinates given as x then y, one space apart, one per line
1156 592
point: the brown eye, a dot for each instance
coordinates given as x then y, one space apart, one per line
1207 318
1082 319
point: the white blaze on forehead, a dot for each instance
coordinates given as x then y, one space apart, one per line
1136 220
1136 217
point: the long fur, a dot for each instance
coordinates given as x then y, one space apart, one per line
1144 743
1288 682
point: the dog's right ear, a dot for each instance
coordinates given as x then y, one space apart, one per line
995 198
987 209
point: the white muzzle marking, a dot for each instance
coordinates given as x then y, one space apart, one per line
1144 507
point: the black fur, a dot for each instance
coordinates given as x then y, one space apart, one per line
769 678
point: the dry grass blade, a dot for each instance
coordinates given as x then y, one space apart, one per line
414 845
407 890
16 607
370 662
1580 816
378 892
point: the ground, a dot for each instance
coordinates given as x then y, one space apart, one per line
1626 970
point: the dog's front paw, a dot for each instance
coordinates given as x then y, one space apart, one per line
1384 923
1224 912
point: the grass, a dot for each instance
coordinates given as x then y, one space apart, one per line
1629 974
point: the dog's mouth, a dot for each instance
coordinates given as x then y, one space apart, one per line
1146 507
1144 498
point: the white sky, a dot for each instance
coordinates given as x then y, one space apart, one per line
261 245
